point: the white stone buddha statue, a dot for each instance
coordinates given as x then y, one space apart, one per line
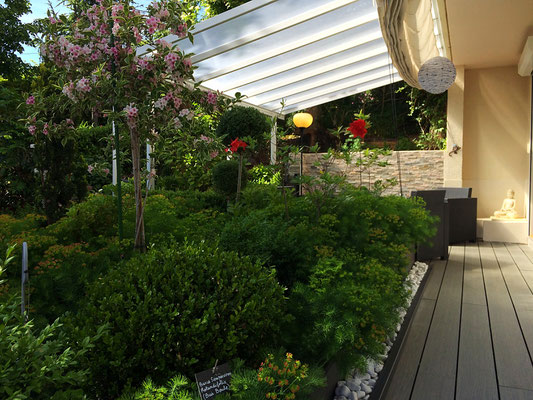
508 207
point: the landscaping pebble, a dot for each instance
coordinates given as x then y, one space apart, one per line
358 385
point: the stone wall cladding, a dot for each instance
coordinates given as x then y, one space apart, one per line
420 170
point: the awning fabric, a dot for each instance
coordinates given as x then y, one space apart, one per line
408 31
302 53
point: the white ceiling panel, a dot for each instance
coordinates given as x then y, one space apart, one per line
304 53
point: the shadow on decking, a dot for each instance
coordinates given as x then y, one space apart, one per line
471 333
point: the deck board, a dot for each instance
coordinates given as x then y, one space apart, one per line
507 393
400 386
471 335
473 286
510 352
436 375
528 251
476 373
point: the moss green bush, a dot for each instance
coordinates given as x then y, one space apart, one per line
243 122
177 310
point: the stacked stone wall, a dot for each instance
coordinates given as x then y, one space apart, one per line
420 170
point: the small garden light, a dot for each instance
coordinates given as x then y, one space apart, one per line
302 121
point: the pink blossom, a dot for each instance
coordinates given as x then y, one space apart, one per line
184 112
163 43
212 98
116 9
30 100
138 37
68 91
106 171
32 129
187 63
170 60
116 27
131 114
45 129
161 103
213 154
206 139
153 22
177 123
53 20
83 85
90 168
181 31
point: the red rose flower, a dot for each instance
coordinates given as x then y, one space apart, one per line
358 128
237 144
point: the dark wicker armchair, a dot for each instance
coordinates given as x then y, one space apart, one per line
462 210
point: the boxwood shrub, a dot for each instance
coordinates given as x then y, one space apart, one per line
177 310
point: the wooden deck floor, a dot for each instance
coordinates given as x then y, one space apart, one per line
471 334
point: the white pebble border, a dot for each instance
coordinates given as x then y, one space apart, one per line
359 385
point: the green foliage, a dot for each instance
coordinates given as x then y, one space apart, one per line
14 35
11 226
176 389
245 123
225 177
290 246
63 275
280 375
37 365
404 143
346 311
63 176
96 144
177 310
265 175
17 179
215 7
88 220
430 141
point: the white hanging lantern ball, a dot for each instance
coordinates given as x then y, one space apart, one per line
436 75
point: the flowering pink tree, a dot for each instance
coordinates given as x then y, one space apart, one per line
98 69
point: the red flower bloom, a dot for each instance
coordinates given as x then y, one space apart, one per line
237 144
358 128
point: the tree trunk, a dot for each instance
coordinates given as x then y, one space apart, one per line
139 243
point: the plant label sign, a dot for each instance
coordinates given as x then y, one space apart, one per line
214 381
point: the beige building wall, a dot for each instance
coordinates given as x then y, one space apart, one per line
496 132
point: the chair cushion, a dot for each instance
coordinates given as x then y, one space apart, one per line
457 192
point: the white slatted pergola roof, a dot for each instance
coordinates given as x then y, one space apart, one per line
301 52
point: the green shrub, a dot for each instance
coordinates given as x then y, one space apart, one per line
61 279
346 311
225 175
97 216
37 365
11 226
383 228
177 310
176 389
265 175
290 246
243 122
